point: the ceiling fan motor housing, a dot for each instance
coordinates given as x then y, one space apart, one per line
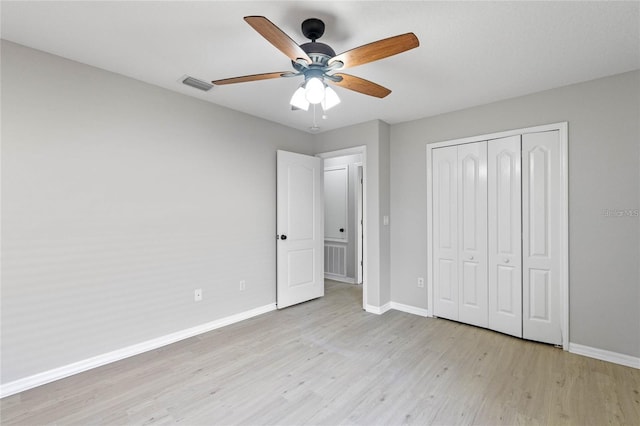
319 53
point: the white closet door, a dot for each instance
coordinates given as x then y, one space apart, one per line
472 233
505 254
541 244
445 232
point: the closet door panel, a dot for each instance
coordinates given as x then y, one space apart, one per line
541 243
472 228
445 232
505 254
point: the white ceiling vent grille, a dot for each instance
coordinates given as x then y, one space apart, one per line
198 84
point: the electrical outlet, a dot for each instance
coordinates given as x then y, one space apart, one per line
243 285
420 282
197 294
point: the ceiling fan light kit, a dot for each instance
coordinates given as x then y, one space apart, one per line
330 100
299 99
314 90
316 62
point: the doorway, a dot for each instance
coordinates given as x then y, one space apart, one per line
345 216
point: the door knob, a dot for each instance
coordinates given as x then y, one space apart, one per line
283 237
470 257
341 229
506 261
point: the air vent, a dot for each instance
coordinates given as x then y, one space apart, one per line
198 84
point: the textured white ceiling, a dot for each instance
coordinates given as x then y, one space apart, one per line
471 53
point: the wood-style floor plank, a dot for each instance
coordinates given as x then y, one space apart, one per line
327 362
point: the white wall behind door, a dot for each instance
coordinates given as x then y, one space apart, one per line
336 184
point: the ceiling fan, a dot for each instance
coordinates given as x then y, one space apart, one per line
318 62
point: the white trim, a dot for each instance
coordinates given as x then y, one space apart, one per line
336 240
45 377
561 126
359 231
563 129
362 149
378 310
429 231
604 355
410 309
564 235
333 277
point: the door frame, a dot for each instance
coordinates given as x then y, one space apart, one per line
359 224
363 151
563 133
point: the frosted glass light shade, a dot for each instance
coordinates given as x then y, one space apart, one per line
299 100
314 90
331 98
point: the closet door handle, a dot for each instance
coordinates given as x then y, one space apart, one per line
506 261
470 257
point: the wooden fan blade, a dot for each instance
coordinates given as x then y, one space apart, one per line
253 77
377 50
277 37
361 85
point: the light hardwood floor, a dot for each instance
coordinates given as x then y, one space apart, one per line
328 362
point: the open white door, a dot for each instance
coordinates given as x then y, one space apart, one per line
300 228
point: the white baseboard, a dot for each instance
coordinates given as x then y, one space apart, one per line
378 310
39 379
604 355
339 278
410 309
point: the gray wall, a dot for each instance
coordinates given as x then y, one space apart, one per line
384 165
604 173
118 200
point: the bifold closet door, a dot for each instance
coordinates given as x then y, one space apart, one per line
497 247
460 233
445 232
472 233
541 244
505 241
